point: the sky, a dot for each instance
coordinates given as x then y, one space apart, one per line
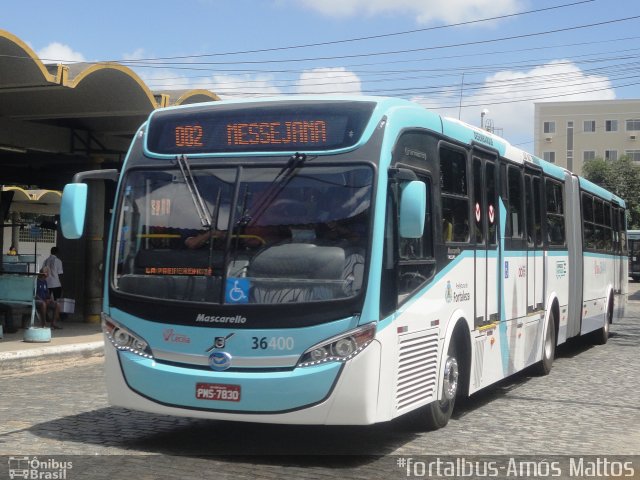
457 57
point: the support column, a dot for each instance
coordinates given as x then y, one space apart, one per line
94 242
15 217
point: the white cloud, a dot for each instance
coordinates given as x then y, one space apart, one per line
137 54
510 95
329 80
317 81
165 79
425 11
59 53
239 86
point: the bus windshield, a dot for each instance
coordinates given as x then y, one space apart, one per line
271 239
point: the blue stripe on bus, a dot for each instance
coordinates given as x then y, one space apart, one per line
201 337
412 117
260 392
603 255
552 170
418 295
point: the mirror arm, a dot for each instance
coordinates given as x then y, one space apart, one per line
107 174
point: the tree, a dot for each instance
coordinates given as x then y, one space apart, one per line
622 177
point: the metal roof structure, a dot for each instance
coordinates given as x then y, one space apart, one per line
59 119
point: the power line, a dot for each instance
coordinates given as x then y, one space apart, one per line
372 37
411 50
449 72
386 62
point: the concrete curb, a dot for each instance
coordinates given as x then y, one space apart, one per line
35 356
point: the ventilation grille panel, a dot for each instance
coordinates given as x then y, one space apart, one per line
417 368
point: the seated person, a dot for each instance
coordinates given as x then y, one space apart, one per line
44 300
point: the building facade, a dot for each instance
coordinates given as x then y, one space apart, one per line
570 133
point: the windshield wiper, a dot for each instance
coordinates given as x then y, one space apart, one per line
198 202
284 176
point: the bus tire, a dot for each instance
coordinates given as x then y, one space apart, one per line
601 335
438 413
543 367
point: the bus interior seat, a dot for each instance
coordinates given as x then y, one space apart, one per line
277 272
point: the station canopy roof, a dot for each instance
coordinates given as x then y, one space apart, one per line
35 201
68 113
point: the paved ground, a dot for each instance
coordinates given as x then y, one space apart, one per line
589 405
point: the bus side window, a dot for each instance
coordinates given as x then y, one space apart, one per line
537 200
411 260
455 196
515 218
555 213
416 259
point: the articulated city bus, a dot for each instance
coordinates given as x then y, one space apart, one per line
332 260
633 237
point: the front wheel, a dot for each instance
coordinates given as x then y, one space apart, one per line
438 413
543 367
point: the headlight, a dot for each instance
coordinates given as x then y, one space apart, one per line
123 339
339 349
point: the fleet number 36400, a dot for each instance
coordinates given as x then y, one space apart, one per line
272 343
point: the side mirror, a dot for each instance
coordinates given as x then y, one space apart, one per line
73 209
413 209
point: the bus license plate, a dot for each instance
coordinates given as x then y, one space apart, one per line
218 391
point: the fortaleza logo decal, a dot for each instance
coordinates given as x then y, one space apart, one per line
202 318
459 295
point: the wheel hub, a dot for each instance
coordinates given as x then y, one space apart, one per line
450 382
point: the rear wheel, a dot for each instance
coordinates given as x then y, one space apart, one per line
543 367
438 413
601 336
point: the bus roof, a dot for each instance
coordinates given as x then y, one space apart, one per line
394 108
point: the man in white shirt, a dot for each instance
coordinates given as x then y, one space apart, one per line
54 279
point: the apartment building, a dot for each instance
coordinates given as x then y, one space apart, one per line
569 133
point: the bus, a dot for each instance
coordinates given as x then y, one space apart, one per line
341 260
633 236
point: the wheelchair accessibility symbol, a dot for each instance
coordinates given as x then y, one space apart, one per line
237 290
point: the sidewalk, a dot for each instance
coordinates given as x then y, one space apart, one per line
74 340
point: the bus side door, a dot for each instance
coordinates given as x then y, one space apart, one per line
485 212
535 261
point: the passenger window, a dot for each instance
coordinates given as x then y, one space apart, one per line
454 193
555 213
515 220
537 201
529 208
416 260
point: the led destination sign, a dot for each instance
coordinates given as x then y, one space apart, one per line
311 132
275 127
